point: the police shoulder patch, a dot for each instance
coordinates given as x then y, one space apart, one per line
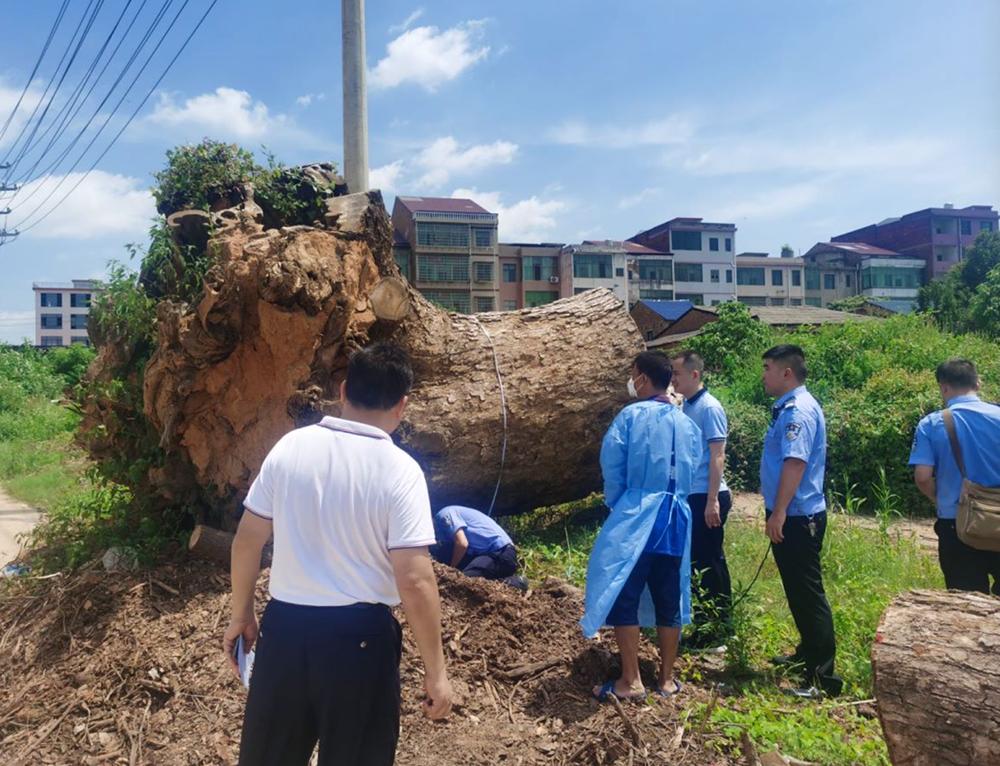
792 431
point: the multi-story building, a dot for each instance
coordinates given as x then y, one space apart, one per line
939 236
838 270
448 250
651 273
532 275
765 281
62 310
703 254
597 263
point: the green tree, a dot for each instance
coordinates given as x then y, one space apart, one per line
734 337
981 259
199 175
984 311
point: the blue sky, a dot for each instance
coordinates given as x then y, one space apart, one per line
794 120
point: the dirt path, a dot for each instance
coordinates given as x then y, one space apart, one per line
749 506
15 518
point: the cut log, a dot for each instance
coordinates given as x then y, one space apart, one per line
215 545
936 663
522 397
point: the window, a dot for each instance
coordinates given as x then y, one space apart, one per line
52 340
538 268
747 275
796 278
78 322
777 301
656 295
688 272
442 268
510 305
79 300
696 298
848 280
713 244
509 272
796 301
449 301
402 259
484 303
716 302
777 278
656 270
51 300
875 277
51 321
940 257
816 302
592 266
483 237
753 300
966 228
80 340
729 245
484 272
986 225
685 240
812 279
713 276
534 298
619 272
829 281
443 234
729 276
578 290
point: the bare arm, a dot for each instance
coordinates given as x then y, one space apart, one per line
716 465
923 477
419 593
460 546
251 536
792 471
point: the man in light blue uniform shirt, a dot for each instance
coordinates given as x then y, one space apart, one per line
472 542
710 503
977 427
792 469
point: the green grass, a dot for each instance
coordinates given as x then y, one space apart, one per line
863 569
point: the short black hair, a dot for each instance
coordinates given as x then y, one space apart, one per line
691 360
792 357
654 366
957 373
378 377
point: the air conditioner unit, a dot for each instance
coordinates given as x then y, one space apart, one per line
553 280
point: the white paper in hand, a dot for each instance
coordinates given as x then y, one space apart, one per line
244 660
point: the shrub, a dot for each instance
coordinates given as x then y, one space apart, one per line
199 175
747 425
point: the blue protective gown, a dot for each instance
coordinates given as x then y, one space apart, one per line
642 443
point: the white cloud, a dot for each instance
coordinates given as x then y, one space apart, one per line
676 129
443 158
395 29
9 95
308 98
637 199
386 178
529 220
225 111
429 57
771 203
105 204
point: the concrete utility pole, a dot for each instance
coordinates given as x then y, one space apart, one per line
355 96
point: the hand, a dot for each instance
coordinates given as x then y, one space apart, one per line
246 628
774 527
713 516
439 697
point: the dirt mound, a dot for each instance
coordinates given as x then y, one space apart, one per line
119 668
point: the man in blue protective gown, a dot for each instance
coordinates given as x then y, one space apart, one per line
640 568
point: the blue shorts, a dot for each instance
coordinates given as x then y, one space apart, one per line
662 574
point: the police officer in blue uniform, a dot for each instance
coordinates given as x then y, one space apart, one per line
791 475
977 427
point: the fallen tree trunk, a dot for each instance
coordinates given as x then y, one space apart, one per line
936 663
215 545
266 349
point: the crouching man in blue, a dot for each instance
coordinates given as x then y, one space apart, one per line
475 544
640 568
792 468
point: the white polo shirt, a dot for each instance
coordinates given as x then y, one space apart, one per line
340 495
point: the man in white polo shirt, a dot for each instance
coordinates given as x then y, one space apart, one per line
352 525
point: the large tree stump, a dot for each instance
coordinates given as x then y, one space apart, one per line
936 662
266 349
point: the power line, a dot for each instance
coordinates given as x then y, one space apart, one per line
132 117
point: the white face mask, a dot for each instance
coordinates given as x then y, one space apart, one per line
631 389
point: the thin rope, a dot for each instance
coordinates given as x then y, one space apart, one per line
503 413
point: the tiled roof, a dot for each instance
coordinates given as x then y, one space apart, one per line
669 310
440 205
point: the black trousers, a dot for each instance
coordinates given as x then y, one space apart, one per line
492 566
327 675
965 567
714 593
798 560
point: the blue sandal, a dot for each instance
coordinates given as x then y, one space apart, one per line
667 695
608 690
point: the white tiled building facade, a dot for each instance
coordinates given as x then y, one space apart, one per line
62 311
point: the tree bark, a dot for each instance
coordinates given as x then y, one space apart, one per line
216 545
267 347
936 663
